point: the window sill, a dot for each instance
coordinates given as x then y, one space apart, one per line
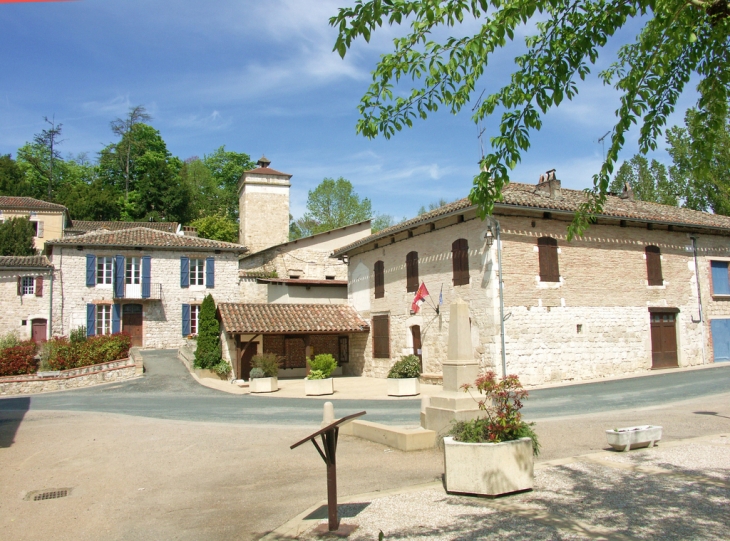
663 286
549 285
720 297
103 286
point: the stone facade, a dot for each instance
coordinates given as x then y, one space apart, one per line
20 311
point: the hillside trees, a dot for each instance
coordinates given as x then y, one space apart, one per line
16 237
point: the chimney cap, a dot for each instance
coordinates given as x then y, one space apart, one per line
263 161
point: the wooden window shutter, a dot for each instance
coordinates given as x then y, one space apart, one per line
39 286
379 279
412 272
548 254
654 266
381 337
20 285
460 261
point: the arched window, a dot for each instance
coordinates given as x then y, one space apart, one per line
412 272
379 280
460 260
548 250
654 266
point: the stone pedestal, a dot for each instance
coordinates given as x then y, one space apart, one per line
453 404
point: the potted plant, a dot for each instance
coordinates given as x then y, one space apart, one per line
403 377
492 454
634 437
264 373
319 381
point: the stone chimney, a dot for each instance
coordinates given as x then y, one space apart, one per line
628 193
549 185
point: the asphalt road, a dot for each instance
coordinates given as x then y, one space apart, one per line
169 392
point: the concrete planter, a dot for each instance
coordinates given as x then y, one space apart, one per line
318 387
403 387
488 469
634 437
264 385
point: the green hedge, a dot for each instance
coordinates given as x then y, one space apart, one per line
62 354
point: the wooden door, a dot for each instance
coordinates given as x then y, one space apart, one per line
417 351
246 356
132 322
39 329
663 340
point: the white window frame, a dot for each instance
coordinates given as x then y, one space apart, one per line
27 285
104 271
103 319
194 319
133 271
197 272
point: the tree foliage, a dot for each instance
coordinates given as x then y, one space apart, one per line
16 237
217 227
679 39
648 181
208 352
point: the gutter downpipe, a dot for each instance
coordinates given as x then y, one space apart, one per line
699 298
50 308
501 297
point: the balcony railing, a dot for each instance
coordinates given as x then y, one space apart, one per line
134 291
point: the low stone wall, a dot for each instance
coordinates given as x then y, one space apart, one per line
45 382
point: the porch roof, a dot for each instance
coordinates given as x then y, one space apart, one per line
239 318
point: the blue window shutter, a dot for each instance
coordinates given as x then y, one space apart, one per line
90 270
720 284
146 271
185 319
210 272
720 339
119 276
184 272
116 318
90 319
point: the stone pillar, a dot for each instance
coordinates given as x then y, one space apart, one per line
460 367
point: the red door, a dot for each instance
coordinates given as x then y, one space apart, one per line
244 371
39 330
416 333
663 340
132 321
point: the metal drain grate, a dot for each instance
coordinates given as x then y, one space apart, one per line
52 494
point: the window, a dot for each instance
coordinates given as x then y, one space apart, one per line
379 279
194 316
133 275
104 270
27 287
381 337
412 272
103 319
197 272
460 261
654 266
720 282
37 228
548 251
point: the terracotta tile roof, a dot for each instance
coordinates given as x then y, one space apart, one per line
29 262
290 318
84 226
144 237
528 196
303 282
28 203
267 171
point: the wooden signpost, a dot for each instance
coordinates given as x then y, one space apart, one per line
329 436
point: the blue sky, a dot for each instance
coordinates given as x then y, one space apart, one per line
261 77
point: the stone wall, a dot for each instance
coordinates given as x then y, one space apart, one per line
162 319
18 311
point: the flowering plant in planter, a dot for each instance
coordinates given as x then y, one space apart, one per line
322 366
408 366
501 401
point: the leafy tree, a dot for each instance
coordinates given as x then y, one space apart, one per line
679 39
16 237
217 227
123 127
12 180
333 204
206 194
48 140
208 352
649 182
433 206
227 167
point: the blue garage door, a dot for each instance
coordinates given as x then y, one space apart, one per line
721 339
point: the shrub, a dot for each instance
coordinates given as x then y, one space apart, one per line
256 373
408 367
269 363
502 403
222 368
63 354
78 334
19 359
9 340
208 352
323 365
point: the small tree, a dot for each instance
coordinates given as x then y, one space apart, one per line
216 227
16 237
208 352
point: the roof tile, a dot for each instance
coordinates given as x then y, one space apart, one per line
290 318
31 262
28 203
84 226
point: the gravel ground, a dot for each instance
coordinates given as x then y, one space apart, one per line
680 492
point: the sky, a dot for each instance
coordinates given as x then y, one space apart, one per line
261 78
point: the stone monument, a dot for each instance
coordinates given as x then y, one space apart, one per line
460 367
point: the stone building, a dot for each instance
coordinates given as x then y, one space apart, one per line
623 299
26 284
49 220
148 283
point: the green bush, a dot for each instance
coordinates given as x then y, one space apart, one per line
322 366
9 340
256 373
19 359
269 363
208 352
222 368
78 335
63 354
408 367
